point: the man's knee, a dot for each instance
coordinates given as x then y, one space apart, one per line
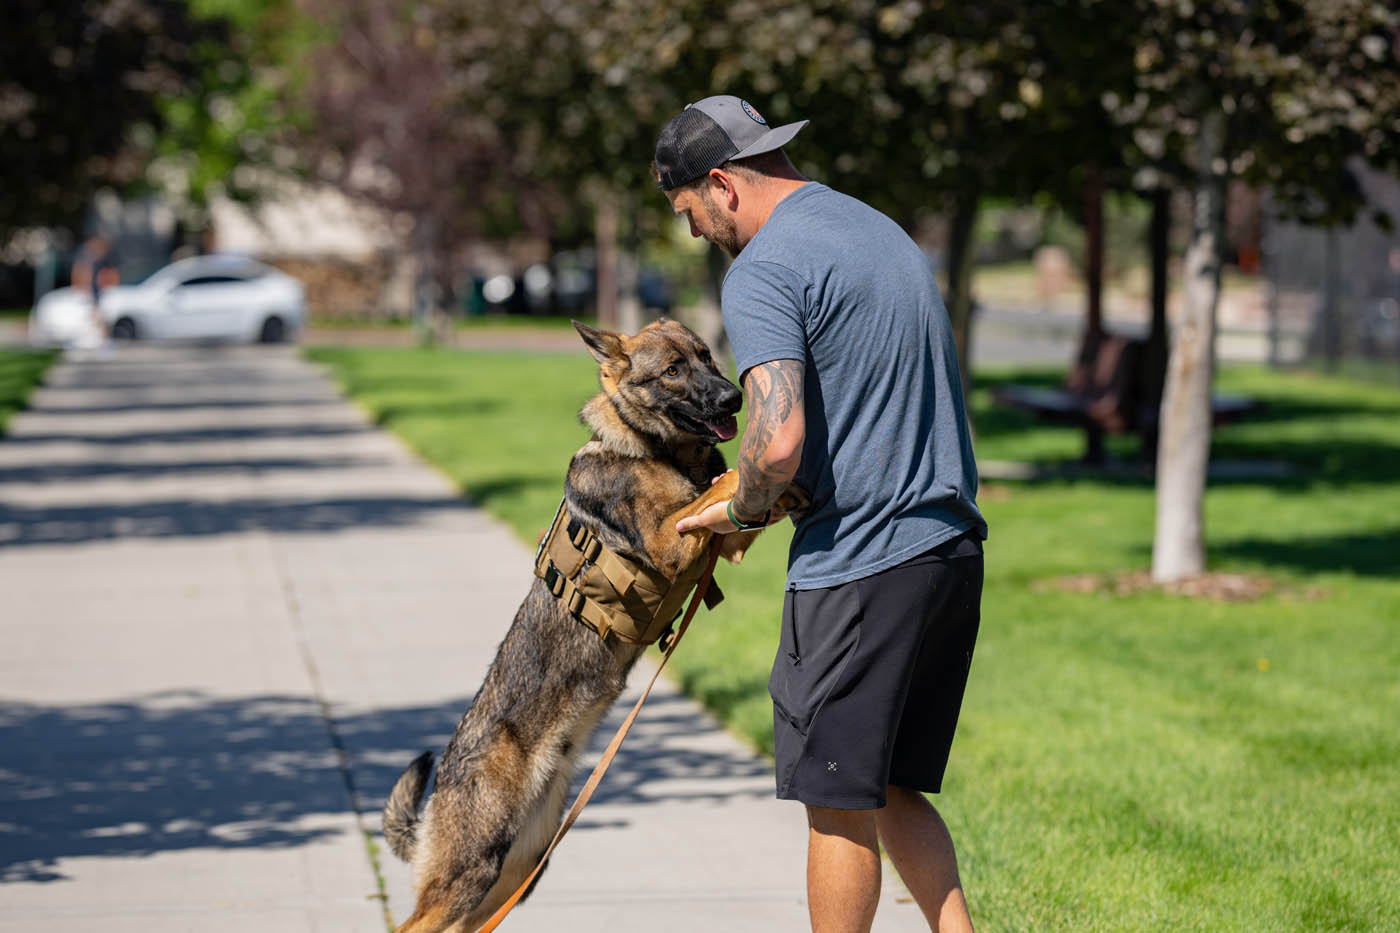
897 797
853 824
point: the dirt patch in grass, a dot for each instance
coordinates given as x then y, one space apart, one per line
993 492
1217 587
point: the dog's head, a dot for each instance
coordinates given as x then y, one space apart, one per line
664 384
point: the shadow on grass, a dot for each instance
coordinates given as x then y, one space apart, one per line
386 415
484 492
1309 437
1375 554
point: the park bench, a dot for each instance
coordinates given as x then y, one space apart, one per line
1110 391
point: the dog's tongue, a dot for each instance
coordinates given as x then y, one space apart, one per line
725 428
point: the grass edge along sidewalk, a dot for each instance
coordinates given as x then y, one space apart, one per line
1128 758
20 372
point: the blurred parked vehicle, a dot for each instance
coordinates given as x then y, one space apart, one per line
566 285
1378 329
200 298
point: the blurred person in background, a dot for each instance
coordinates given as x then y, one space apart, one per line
94 268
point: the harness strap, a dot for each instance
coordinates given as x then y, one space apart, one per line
563 589
623 575
615 596
601 767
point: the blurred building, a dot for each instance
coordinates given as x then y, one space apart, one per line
1334 294
349 255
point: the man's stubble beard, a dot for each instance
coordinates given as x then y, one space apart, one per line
724 232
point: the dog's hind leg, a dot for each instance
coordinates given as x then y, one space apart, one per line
469 826
540 818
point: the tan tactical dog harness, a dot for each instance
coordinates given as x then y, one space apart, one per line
615 596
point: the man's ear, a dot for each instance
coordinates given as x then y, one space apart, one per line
605 346
722 188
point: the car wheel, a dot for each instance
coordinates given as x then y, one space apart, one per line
273 331
124 329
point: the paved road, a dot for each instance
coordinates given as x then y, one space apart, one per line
231 611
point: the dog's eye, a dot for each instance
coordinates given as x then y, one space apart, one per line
672 371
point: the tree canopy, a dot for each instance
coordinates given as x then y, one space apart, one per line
81 86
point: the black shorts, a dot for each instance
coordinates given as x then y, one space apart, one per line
869 678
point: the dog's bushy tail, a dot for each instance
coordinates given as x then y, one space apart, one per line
401 809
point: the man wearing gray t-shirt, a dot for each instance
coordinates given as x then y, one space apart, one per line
845 353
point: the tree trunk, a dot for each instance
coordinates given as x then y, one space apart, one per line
1183 450
1092 340
1159 244
1331 300
605 253
1269 269
426 296
1093 254
960 254
630 318
1154 357
708 321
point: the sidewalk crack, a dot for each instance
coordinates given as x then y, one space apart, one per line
342 753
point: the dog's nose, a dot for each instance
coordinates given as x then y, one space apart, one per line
731 400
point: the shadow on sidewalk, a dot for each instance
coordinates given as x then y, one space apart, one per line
197 435
120 407
182 770
149 469
21 525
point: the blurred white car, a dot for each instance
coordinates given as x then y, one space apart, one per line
200 298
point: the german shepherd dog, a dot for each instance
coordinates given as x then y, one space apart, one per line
502 782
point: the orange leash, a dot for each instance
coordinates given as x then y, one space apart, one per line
601 768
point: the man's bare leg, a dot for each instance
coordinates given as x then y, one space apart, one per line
843 869
918 843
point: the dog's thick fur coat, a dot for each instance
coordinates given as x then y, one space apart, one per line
502 782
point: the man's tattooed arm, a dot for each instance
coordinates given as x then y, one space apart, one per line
771 448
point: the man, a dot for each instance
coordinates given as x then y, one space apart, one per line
845 352
94 270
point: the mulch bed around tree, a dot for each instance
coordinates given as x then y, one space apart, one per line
1214 586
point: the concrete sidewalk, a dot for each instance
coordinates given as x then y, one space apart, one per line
231 612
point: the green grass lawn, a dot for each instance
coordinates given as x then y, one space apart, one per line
20 370
1128 759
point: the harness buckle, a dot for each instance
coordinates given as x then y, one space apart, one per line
553 580
577 533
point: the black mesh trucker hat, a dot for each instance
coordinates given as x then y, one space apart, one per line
710 132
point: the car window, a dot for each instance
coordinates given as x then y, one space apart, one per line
211 280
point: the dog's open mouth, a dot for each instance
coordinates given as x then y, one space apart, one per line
724 428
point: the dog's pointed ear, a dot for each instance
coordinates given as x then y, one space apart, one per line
606 347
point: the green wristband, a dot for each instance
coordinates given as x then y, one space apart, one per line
741 525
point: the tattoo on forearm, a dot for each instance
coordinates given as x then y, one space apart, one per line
774 397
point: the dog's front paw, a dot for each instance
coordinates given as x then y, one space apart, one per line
735 545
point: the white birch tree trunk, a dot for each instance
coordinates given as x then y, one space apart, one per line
1183 450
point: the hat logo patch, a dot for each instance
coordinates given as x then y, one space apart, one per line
754 115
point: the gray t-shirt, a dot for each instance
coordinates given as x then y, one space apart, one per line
832 282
